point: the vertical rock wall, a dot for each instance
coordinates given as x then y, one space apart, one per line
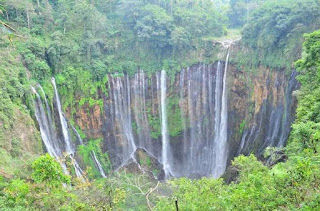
260 112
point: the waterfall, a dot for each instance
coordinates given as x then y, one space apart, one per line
54 144
221 147
76 167
289 109
45 125
63 121
94 157
98 164
272 123
139 86
77 135
200 93
65 131
164 126
46 103
121 98
182 113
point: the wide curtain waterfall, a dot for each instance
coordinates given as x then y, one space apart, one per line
273 121
139 106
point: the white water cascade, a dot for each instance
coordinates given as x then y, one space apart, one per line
93 154
164 126
55 146
63 121
221 124
45 124
65 131
138 118
77 134
122 120
98 164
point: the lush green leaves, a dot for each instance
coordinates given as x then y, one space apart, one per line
86 152
274 31
47 169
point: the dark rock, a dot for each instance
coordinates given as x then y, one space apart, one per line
149 164
230 175
131 166
144 163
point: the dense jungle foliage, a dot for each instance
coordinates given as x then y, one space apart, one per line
80 41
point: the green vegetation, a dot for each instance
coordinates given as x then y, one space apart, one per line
48 189
155 125
16 105
274 31
287 186
79 42
175 126
86 154
240 11
242 127
47 169
306 128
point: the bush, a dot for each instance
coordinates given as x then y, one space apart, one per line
47 170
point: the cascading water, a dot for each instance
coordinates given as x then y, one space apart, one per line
289 109
135 109
272 123
221 154
63 121
203 113
65 131
55 144
202 104
93 155
77 135
98 164
122 117
46 127
139 95
164 126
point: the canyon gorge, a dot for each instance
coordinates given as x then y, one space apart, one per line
193 123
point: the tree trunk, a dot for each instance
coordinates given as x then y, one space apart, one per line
177 207
28 19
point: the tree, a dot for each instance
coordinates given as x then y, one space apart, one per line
154 26
47 170
240 11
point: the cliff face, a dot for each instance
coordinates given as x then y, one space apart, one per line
90 120
260 110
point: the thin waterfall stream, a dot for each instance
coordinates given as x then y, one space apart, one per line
164 126
98 164
221 143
